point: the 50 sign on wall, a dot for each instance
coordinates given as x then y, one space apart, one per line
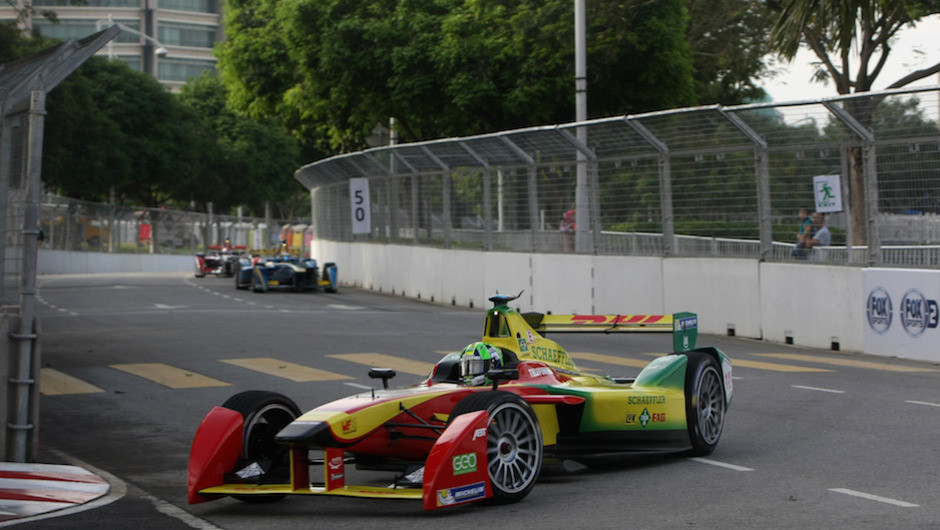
359 203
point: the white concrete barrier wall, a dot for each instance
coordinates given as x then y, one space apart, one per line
69 262
814 306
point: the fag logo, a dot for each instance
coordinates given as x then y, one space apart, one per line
656 417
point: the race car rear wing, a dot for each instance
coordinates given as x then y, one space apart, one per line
683 326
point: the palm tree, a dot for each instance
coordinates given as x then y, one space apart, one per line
837 31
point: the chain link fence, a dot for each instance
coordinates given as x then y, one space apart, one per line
708 181
70 224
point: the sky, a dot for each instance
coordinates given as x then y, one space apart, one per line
914 48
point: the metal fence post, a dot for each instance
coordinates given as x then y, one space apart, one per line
23 425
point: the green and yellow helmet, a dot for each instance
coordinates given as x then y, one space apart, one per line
477 359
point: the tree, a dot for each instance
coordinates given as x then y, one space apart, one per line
253 160
836 31
728 39
111 127
334 69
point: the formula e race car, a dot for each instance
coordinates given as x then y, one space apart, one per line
284 273
221 260
478 428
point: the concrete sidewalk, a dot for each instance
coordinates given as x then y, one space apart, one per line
28 490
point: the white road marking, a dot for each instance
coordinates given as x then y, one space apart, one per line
345 307
871 497
357 385
923 403
720 464
817 389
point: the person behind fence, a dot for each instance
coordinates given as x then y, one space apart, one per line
567 227
821 236
805 233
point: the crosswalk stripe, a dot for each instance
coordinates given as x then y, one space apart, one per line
775 367
380 360
848 362
294 372
55 383
169 376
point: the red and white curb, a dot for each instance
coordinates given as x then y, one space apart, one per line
33 489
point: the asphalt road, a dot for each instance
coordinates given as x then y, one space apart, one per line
813 439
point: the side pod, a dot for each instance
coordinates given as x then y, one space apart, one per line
216 448
456 469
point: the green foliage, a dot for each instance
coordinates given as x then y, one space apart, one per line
252 161
334 69
728 39
108 126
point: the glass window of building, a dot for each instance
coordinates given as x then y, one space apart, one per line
199 6
92 3
181 34
133 61
80 28
169 69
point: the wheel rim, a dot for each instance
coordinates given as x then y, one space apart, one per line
261 429
513 449
711 406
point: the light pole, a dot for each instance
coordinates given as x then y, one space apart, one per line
581 239
159 51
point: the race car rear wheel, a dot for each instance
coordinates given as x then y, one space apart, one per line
513 443
265 414
705 403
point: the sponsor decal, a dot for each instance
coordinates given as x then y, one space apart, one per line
530 336
348 426
551 355
336 476
646 400
631 419
523 345
686 323
470 492
540 371
336 463
479 433
878 308
917 313
656 417
466 463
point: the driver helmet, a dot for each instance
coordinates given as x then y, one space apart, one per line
477 359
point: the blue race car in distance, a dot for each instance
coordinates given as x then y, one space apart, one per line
284 273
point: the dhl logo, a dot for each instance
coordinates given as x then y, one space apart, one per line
619 319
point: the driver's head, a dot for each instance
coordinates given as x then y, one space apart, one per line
477 359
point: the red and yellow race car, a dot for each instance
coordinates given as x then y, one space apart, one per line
478 428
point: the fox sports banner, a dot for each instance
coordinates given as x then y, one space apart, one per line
901 313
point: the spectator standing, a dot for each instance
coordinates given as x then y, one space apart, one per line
821 236
806 232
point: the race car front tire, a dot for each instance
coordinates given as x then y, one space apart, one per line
513 443
705 403
265 414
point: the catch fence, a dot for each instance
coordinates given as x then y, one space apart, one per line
706 181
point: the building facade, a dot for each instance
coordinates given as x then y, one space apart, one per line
169 39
